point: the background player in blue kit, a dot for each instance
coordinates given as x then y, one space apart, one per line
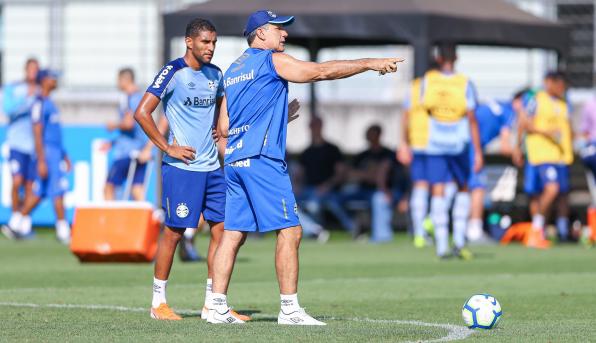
17 99
191 90
51 161
259 195
495 119
130 143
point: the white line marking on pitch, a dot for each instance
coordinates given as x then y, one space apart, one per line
455 332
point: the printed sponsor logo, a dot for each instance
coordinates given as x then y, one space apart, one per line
199 102
238 130
240 78
162 76
230 150
191 85
241 163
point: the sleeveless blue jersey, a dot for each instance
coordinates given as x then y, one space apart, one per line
257 99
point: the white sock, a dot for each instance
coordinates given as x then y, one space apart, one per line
15 220
159 292
440 219
289 303
219 302
189 233
538 222
25 227
208 292
62 228
475 229
460 215
419 204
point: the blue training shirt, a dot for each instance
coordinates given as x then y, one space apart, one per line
257 99
135 139
16 103
189 100
45 111
493 117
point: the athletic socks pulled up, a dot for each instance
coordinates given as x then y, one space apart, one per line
159 292
460 214
419 209
440 219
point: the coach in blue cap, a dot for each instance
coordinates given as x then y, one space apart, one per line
259 195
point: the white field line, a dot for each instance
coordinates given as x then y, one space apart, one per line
454 332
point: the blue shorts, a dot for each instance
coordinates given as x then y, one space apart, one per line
537 176
418 168
186 194
259 196
448 168
21 164
119 172
55 184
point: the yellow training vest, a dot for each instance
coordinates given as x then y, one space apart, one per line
417 118
445 96
551 114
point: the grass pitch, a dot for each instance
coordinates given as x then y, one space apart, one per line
372 293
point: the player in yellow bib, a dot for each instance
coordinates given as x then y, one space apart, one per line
411 152
450 100
549 146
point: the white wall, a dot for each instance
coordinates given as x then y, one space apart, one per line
26 34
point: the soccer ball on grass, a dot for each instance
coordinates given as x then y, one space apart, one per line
482 311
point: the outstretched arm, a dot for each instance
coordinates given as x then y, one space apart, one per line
298 71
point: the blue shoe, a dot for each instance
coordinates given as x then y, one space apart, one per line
187 251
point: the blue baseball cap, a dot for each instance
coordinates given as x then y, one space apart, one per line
262 17
46 73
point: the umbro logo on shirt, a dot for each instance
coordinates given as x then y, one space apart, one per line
191 85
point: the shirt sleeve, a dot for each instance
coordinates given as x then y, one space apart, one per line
220 86
407 102
134 102
12 104
530 104
471 97
37 111
163 82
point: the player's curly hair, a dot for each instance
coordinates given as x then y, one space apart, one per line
199 25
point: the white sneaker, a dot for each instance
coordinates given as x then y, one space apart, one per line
215 317
299 317
63 236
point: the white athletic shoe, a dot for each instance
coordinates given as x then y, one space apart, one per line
299 317
215 317
204 313
63 236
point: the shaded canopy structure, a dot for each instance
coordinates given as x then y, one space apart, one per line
420 23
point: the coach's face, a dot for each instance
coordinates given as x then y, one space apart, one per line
275 37
202 46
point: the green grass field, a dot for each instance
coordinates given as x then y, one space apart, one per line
374 293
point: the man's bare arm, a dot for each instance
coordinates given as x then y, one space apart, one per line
298 71
478 157
143 116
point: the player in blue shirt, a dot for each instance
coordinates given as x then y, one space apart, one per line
191 90
51 160
130 143
495 119
16 101
259 194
